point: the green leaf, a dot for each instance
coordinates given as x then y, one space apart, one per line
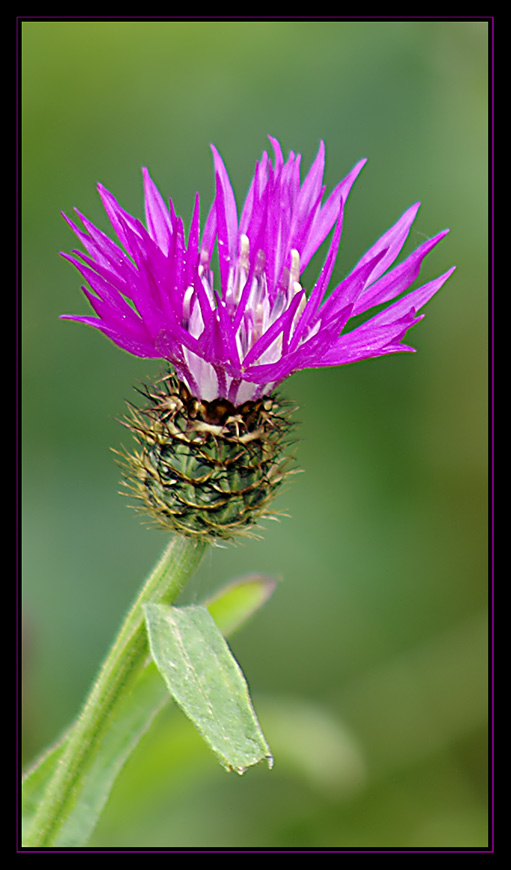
133 717
231 606
205 680
36 779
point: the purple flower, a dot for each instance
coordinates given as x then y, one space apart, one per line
238 334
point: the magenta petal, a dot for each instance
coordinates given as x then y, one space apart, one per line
392 241
329 213
102 250
239 333
350 289
227 216
157 214
397 280
129 337
319 288
123 223
273 331
312 185
414 300
363 344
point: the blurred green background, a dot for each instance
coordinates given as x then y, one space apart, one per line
368 667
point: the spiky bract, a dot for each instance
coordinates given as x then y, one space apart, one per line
206 469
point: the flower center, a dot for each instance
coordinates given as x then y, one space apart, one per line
255 311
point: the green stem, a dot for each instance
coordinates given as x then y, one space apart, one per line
122 665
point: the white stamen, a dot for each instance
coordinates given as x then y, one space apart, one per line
238 276
244 257
186 306
295 268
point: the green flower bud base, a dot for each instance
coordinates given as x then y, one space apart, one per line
206 469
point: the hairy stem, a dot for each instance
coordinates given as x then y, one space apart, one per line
120 668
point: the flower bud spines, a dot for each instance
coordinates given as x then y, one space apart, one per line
206 469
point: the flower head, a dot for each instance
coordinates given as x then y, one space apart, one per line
239 333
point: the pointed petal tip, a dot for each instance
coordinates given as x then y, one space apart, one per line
360 165
216 153
67 219
445 275
352 175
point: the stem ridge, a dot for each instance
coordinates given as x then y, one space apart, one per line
127 656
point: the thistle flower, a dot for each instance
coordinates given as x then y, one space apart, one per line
232 338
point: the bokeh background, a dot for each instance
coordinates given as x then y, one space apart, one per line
368 667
